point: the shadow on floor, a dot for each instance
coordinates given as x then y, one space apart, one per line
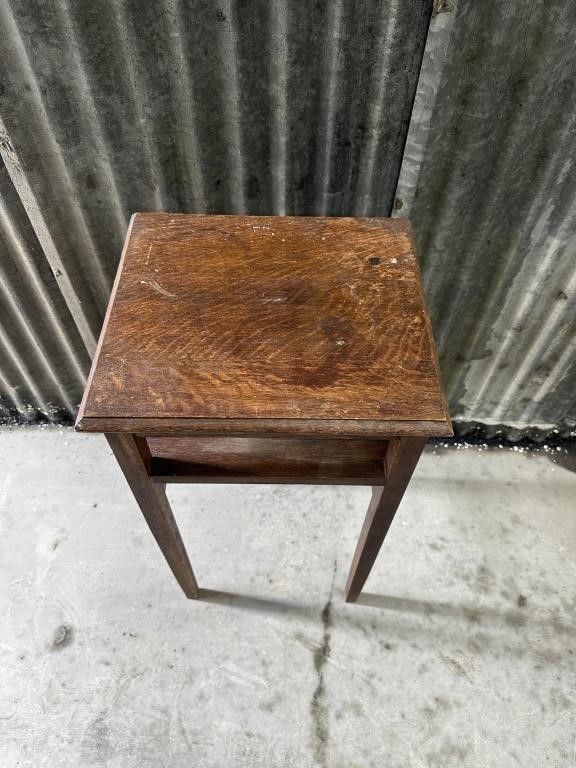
566 460
259 604
520 617
514 618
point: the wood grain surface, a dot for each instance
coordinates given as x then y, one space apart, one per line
400 461
159 426
133 458
218 318
269 460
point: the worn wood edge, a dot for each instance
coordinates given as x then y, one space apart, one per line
245 426
192 427
96 357
267 479
410 233
393 224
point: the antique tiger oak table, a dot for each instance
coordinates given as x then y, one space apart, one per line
244 349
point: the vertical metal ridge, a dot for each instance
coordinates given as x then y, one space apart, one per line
231 106
10 400
328 99
524 299
42 357
420 128
23 372
551 329
375 107
44 237
182 87
38 365
486 212
44 310
124 32
559 370
92 120
279 104
56 170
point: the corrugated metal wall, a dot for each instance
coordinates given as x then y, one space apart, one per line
269 106
43 360
489 182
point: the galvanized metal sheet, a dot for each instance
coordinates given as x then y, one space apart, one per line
41 354
117 106
489 182
274 107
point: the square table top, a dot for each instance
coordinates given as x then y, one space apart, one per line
265 324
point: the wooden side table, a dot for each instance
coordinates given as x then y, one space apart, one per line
241 349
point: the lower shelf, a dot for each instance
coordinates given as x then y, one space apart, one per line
267 460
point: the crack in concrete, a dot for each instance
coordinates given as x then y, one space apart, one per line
319 704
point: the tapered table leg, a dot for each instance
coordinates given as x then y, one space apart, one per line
130 452
401 459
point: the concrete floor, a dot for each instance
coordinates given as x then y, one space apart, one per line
461 652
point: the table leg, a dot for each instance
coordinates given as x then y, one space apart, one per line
130 452
401 458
